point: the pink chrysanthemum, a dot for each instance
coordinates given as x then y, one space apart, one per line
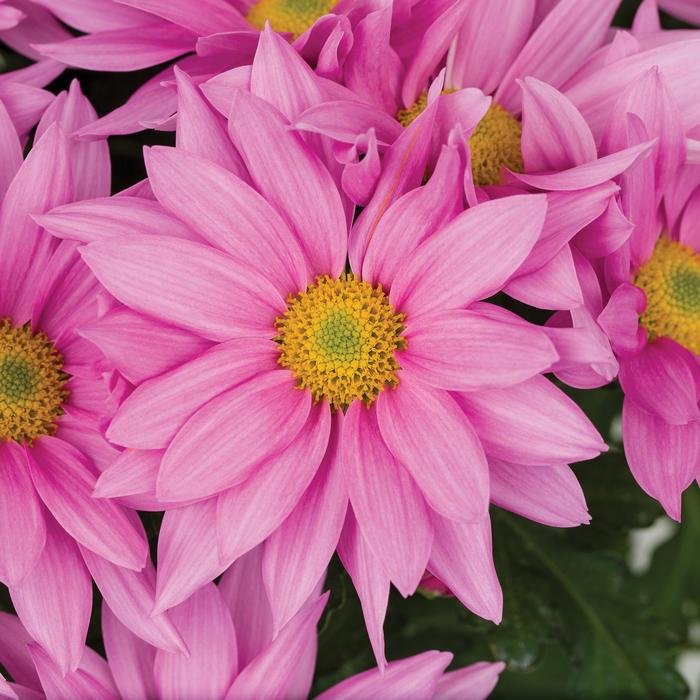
275 385
232 654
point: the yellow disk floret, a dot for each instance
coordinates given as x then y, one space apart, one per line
339 338
32 384
495 143
292 16
671 281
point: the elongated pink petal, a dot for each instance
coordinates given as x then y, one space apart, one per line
297 554
38 26
292 179
532 423
55 602
10 150
549 495
249 512
660 380
65 481
662 457
473 682
151 275
227 213
429 434
389 507
122 49
22 528
606 234
153 414
24 103
271 673
95 15
133 472
559 46
620 319
685 9
6 690
207 628
251 423
462 560
417 676
14 655
472 257
465 351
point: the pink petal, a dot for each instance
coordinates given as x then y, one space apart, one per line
55 602
153 414
660 380
662 457
685 9
14 655
252 422
22 528
389 507
227 213
249 512
462 560
133 472
272 672
292 179
549 495
65 481
606 234
428 433
207 629
95 15
532 423
24 104
297 554
466 351
122 49
472 257
5 688
10 150
620 319
130 658
473 682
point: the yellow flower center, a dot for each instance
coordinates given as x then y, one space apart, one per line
671 281
495 142
339 338
292 16
32 384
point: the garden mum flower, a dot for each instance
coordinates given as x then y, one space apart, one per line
55 395
302 384
232 654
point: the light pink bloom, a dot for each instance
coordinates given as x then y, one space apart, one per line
232 655
55 396
217 425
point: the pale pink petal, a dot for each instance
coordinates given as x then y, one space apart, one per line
292 179
6 690
55 602
550 495
207 628
429 434
473 682
269 675
532 423
660 380
133 472
297 554
415 677
10 150
606 234
464 350
620 319
662 457
249 512
95 15
559 46
646 19
463 561
24 103
38 25
152 415
65 481
130 658
389 507
10 17
227 213
22 528
204 17
472 257
371 583
14 655
225 440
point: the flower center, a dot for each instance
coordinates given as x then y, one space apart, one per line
293 16
339 338
671 281
494 143
32 384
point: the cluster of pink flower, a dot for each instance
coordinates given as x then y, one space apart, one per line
229 342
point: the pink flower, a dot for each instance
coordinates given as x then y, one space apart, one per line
273 387
232 654
55 396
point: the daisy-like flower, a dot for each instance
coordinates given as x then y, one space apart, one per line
232 654
300 383
55 396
